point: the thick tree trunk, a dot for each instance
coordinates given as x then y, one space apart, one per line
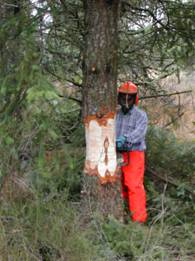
99 103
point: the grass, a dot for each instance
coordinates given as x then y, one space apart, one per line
50 228
42 230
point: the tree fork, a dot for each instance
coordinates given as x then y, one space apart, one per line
101 184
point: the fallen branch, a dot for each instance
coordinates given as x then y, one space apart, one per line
171 181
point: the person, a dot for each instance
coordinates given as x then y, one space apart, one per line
131 127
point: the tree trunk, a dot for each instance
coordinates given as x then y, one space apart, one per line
99 104
9 41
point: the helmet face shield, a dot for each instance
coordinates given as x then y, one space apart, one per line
126 101
124 98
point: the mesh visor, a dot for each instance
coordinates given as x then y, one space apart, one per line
124 98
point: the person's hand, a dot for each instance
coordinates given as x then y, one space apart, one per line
120 142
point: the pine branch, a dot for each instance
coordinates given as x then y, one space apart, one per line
62 79
71 98
145 10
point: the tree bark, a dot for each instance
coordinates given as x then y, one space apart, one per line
99 104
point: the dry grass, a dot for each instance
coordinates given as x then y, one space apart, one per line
175 112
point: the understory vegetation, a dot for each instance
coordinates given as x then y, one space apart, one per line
41 216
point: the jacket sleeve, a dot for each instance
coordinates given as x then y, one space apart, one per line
138 134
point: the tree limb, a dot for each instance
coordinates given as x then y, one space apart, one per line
173 120
60 78
164 95
71 98
171 181
146 10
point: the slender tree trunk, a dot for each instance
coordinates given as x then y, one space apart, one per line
9 44
101 183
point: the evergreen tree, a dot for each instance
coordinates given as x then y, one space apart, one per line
99 103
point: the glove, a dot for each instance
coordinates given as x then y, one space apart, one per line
120 142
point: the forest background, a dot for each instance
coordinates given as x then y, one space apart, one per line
42 141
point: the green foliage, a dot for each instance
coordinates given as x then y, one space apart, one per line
52 228
20 59
173 161
165 152
39 141
156 40
46 229
131 241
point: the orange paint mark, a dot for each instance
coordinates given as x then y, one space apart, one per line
89 170
108 178
107 174
100 117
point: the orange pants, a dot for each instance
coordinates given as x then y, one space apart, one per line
132 184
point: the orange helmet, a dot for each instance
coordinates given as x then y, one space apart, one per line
128 88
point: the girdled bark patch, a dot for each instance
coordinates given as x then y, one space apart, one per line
100 147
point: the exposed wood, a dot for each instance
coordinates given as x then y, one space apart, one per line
100 147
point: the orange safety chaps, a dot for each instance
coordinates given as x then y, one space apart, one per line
132 184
